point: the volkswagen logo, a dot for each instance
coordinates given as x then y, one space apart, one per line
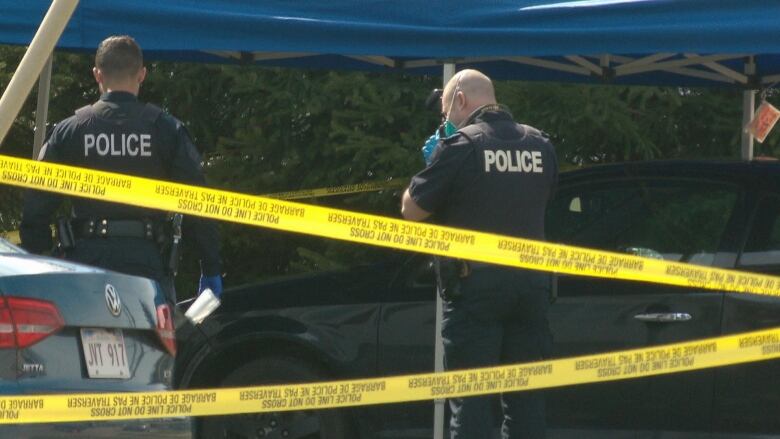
112 300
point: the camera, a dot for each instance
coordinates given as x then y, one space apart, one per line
432 102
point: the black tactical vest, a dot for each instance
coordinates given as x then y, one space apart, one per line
122 137
506 187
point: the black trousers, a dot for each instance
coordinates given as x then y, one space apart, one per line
135 256
500 317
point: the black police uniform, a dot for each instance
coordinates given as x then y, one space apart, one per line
120 134
496 176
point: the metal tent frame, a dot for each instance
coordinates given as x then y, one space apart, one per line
717 69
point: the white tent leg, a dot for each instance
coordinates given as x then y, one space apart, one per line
42 110
748 109
32 63
438 408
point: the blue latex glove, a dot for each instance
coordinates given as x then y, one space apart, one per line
430 145
212 282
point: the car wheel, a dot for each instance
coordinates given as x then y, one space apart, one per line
310 424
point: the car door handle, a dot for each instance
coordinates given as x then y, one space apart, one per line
664 317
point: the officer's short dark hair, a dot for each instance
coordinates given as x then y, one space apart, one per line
119 57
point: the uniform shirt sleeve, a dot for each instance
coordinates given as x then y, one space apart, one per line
185 167
554 182
39 206
185 164
432 186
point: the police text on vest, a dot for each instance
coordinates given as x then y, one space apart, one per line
131 145
514 161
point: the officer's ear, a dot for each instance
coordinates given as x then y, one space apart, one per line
460 99
97 74
99 78
141 75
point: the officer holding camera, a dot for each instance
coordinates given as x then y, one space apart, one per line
486 172
120 134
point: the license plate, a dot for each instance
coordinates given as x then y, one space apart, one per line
105 353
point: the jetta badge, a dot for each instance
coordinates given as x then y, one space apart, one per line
112 300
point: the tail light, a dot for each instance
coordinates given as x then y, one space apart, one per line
165 329
7 337
24 322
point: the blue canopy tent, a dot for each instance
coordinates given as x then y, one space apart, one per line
662 42
672 42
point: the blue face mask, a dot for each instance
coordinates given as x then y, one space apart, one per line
448 128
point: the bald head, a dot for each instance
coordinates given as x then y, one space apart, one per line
465 92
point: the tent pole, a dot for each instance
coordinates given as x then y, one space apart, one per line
41 47
448 71
42 110
748 110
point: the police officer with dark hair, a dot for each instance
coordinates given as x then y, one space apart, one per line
120 134
491 174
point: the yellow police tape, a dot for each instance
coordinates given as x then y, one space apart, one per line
13 236
373 229
387 232
338 190
636 363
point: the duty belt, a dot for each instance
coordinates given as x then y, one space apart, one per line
108 228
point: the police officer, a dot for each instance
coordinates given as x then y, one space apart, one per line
120 134
491 174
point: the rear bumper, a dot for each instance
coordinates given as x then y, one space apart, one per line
166 428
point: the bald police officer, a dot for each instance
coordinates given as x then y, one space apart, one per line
120 134
491 174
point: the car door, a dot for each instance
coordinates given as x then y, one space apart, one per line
407 333
747 402
673 219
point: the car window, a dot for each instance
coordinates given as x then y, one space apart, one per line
672 220
7 247
762 249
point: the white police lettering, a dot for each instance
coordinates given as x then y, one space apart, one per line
131 145
514 161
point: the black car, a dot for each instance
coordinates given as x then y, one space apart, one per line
379 320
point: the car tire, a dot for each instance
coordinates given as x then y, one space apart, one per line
309 424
